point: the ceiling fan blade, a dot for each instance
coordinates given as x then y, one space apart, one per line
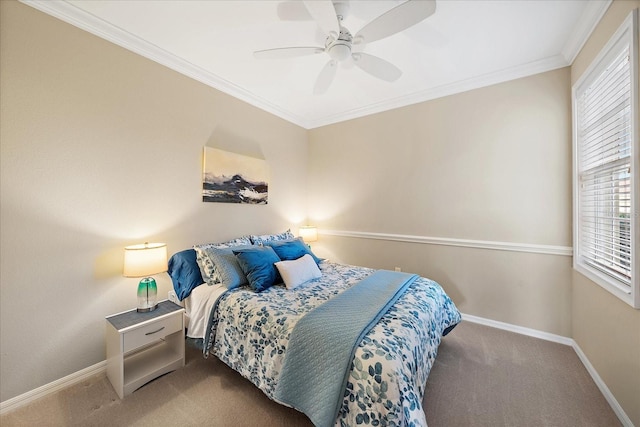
324 14
395 20
293 11
325 78
287 52
377 67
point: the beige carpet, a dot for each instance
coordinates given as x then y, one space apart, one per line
482 377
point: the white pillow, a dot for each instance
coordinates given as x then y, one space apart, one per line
296 272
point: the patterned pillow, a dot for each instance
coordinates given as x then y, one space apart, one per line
262 239
227 269
207 266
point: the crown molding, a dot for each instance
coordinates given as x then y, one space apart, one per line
501 76
77 17
593 13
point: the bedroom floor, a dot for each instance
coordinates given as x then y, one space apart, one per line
482 377
489 377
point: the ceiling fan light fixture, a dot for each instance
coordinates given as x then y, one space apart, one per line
339 51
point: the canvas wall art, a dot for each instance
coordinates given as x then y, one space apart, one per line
233 178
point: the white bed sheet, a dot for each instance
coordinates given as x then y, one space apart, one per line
198 306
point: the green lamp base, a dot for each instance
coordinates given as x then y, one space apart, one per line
147 295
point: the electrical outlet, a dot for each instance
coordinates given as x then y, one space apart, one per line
397 269
173 297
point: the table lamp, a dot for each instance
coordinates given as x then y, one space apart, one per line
309 233
143 261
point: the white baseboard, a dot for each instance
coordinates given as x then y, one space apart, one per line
101 367
622 416
617 409
52 387
518 329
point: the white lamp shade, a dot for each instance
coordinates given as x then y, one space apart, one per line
145 260
309 233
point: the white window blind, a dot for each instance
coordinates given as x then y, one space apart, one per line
605 145
604 114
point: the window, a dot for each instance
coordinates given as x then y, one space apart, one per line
606 167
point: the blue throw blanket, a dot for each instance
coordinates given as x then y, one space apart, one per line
323 342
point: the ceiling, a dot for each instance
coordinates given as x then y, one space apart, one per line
464 45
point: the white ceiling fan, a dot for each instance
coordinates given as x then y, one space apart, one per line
340 44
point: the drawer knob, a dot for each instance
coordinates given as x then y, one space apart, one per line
154 332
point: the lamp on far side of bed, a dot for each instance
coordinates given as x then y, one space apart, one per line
144 261
309 233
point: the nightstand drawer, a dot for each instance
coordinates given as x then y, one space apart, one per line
152 332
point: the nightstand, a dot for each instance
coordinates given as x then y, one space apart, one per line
143 346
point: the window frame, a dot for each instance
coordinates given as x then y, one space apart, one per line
626 33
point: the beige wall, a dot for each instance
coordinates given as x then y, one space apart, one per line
102 148
492 164
607 329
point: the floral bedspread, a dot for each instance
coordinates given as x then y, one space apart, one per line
389 371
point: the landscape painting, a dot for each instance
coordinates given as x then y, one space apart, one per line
233 178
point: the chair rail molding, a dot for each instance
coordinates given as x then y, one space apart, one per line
445 241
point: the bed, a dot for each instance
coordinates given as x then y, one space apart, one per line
378 379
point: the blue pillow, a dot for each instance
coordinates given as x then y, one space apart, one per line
184 272
289 250
258 265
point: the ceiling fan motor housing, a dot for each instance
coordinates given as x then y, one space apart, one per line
340 49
